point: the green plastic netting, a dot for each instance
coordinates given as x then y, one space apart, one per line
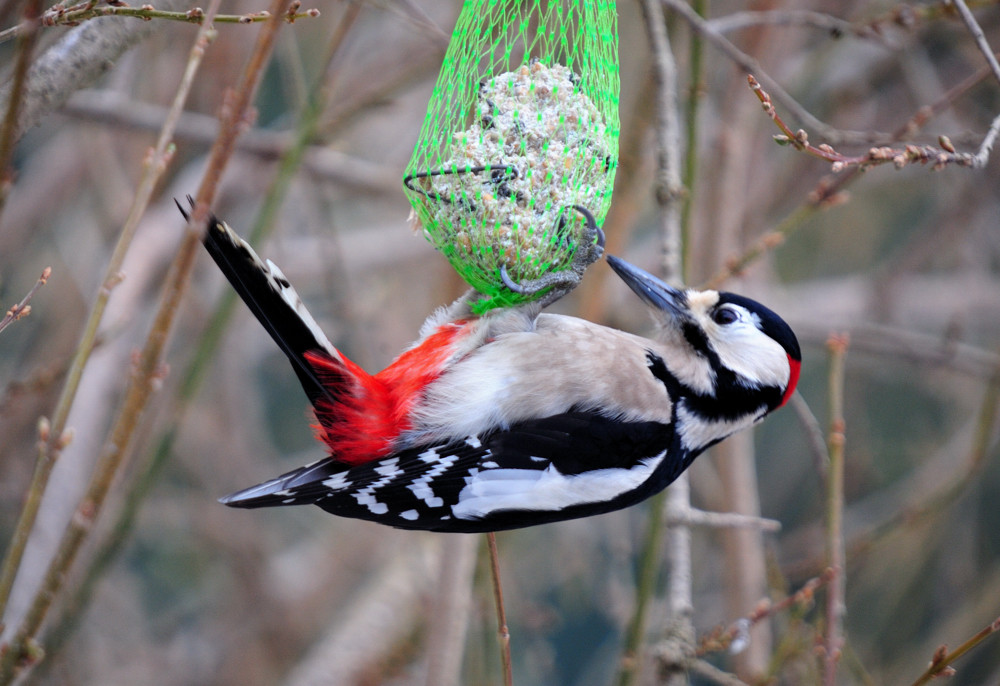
521 128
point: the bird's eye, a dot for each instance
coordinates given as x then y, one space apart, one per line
725 315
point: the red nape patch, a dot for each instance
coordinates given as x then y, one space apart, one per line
794 366
371 411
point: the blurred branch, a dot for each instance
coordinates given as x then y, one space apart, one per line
76 61
379 615
207 347
50 449
145 377
112 109
814 432
25 47
448 626
723 520
835 608
977 34
899 157
749 64
733 638
60 15
22 309
676 500
941 662
837 27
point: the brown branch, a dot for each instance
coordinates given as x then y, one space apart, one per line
834 640
60 15
148 366
23 309
751 65
503 632
938 157
8 129
942 660
730 638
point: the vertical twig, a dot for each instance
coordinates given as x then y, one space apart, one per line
676 499
209 343
503 633
8 129
147 369
835 608
50 449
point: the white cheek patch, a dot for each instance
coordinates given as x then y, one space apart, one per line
547 490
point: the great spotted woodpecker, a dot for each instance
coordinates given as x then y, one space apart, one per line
516 418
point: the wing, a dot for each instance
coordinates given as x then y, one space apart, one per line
570 465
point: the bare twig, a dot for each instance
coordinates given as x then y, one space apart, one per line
731 638
724 520
942 660
74 62
194 375
668 196
60 15
23 309
977 34
50 449
503 632
834 640
148 365
938 157
25 48
751 65
735 21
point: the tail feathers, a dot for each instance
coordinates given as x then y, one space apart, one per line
298 487
274 302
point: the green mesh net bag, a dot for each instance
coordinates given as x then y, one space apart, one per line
519 148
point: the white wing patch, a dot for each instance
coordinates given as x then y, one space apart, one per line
696 432
547 489
421 487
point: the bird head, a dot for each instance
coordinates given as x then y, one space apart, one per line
720 345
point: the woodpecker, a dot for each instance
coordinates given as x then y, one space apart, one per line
516 417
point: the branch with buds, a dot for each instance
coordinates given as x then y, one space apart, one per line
938 157
23 309
941 662
72 15
734 637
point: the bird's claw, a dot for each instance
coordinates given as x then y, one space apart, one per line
562 282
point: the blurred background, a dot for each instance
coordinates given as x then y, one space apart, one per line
173 588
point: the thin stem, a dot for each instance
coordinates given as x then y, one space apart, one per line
668 194
696 87
89 10
211 340
977 34
27 38
649 568
941 664
49 451
23 309
503 633
834 639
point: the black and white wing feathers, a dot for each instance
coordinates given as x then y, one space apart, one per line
561 467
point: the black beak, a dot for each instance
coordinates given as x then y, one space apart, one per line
654 292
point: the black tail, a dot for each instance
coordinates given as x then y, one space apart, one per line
273 301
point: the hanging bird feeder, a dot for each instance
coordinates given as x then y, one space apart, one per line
515 163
